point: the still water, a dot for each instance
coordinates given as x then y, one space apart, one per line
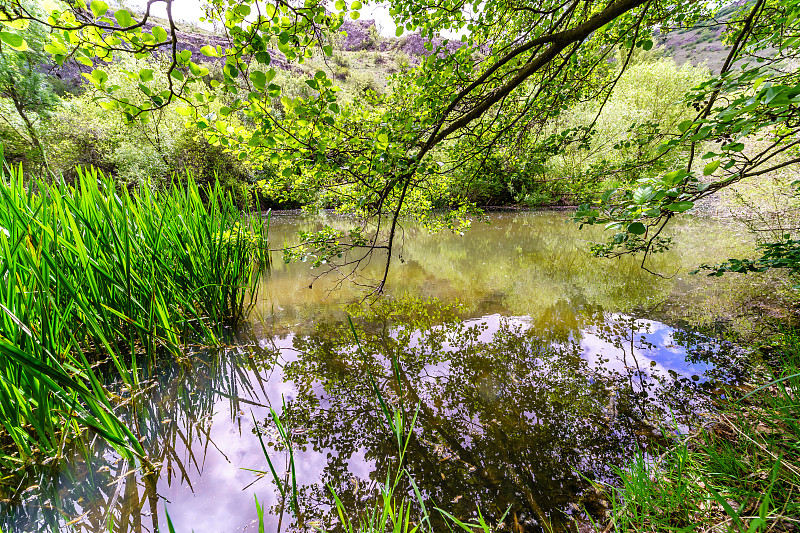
530 368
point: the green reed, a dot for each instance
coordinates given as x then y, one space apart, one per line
100 282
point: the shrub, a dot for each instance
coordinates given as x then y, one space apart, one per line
339 59
649 93
341 73
402 60
364 82
210 165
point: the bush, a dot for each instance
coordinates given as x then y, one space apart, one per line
565 170
341 73
649 93
364 82
402 60
17 149
82 134
210 165
339 59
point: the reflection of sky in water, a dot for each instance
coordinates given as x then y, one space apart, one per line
653 342
660 346
222 492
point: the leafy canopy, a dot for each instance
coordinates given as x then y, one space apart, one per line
520 64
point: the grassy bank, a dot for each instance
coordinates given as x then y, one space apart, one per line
741 473
97 284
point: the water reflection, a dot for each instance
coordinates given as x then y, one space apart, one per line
509 417
533 264
528 387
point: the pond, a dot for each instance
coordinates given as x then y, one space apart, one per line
530 371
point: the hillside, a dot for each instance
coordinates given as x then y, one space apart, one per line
370 58
701 44
360 53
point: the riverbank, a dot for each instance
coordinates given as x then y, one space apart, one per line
741 472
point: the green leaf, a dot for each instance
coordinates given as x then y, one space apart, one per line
637 228
123 17
209 51
197 70
680 207
736 147
354 15
710 168
341 5
685 125
725 505
328 49
99 76
98 8
230 71
15 41
55 49
269 75
16 24
146 74
355 5
673 178
647 45
383 138
607 195
643 194
160 34
399 31
259 79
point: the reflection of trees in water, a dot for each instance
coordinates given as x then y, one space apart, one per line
511 414
518 421
95 490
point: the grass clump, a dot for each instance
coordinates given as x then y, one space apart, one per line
97 284
741 474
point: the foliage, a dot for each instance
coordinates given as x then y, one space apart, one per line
99 276
744 126
741 474
491 90
783 254
26 94
390 150
588 145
